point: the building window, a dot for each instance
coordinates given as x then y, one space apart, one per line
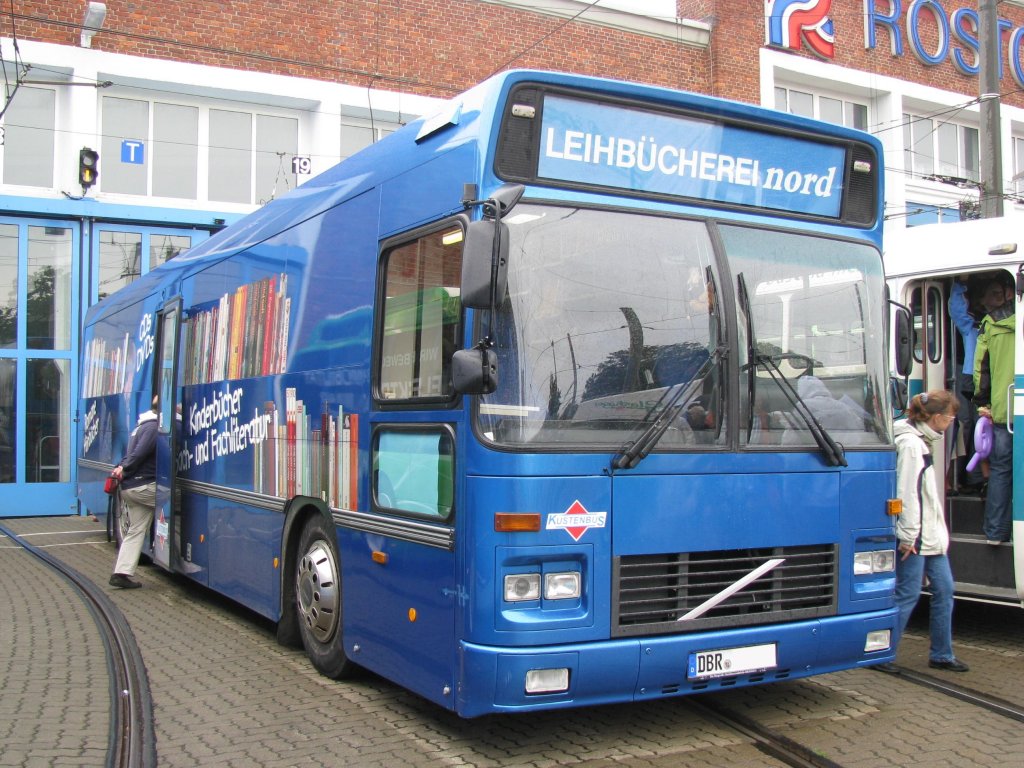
120 260
1018 165
48 305
175 151
828 108
940 148
28 137
230 156
163 248
153 148
276 144
8 420
926 213
8 287
360 129
47 422
123 161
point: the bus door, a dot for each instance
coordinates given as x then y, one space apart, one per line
166 533
408 583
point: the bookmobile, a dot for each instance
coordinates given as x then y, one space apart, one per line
574 392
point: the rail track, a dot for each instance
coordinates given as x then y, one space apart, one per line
970 695
764 739
132 739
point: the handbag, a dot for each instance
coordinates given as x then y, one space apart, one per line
111 483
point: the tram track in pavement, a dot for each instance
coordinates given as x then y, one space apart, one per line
132 737
764 739
970 695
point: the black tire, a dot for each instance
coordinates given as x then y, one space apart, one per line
318 598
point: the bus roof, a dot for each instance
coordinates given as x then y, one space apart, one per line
962 246
468 118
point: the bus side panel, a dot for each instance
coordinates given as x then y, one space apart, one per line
244 545
403 631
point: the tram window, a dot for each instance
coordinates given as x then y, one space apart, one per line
934 324
917 322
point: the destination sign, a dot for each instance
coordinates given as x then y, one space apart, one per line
612 146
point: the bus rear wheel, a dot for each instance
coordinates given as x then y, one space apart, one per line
318 598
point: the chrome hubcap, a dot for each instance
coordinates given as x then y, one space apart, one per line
316 585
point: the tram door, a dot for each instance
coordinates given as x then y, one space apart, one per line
934 360
166 535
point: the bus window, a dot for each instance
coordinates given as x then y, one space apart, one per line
422 316
413 471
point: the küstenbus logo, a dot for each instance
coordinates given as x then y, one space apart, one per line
788 22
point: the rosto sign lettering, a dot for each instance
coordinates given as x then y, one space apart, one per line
957 34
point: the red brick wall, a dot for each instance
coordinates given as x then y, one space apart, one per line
439 47
432 47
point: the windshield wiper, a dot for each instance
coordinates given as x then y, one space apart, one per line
633 452
833 451
741 285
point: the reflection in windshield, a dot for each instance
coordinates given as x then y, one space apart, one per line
814 311
607 313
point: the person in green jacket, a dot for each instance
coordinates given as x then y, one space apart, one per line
993 376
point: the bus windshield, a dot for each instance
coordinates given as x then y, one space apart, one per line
609 317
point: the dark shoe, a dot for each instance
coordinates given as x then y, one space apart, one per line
950 666
123 582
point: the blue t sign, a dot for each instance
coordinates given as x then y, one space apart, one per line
133 151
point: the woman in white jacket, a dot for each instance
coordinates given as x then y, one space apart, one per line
923 539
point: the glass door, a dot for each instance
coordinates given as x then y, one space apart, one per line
38 374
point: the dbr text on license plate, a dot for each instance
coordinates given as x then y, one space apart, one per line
731 661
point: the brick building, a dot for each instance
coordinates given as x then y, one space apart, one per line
201 110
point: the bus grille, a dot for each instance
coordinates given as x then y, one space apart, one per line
653 591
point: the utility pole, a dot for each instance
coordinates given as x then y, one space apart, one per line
990 136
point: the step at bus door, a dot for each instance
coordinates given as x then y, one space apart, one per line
167 526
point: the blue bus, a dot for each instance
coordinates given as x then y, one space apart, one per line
574 392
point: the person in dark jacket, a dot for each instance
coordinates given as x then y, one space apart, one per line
137 473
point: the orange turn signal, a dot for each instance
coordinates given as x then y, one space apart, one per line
516 522
380 557
894 507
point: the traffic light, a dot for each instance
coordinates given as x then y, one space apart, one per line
88 167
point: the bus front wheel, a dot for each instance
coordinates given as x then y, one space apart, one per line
318 598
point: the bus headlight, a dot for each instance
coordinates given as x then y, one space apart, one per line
547 680
877 640
561 586
878 561
522 586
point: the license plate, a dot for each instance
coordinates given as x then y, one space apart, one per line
728 662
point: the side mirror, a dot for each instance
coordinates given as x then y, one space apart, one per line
899 394
903 342
475 371
478 255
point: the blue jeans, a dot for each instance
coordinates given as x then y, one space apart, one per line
998 503
908 590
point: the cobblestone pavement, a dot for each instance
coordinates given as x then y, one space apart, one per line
225 694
